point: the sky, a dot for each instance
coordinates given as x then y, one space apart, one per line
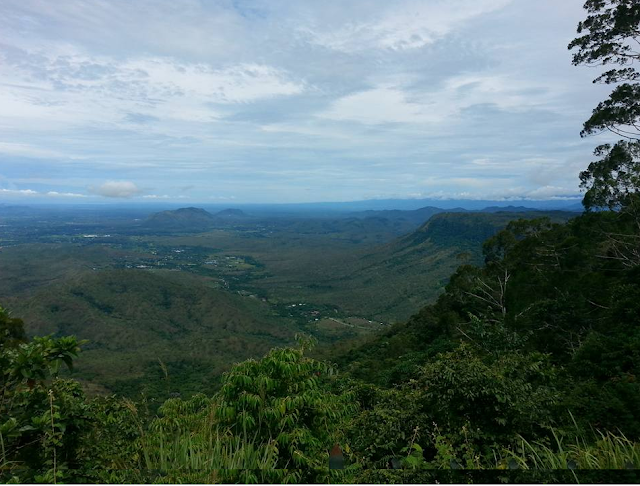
280 101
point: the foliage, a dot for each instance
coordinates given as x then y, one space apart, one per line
273 420
613 181
477 407
283 400
41 416
493 397
187 441
385 426
607 451
563 294
607 36
610 35
11 330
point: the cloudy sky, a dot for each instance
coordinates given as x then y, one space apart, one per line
290 101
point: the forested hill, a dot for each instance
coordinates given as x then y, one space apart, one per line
231 214
416 216
191 219
137 322
184 218
393 281
197 307
568 293
456 229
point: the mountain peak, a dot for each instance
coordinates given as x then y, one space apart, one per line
181 218
231 213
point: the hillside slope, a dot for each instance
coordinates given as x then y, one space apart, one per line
230 214
181 219
134 319
393 281
545 288
416 216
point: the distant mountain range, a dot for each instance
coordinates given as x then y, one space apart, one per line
415 204
415 216
398 221
191 218
321 210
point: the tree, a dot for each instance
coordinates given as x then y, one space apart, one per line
610 35
41 416
613 181
11 330
284 400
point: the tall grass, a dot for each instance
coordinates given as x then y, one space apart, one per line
186 444
193 451
609 451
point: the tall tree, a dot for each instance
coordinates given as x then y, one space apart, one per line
610 36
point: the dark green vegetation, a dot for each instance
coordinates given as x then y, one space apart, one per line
525 369
140 322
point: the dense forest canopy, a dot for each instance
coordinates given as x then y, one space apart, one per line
526 368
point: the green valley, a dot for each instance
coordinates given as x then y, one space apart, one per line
192 304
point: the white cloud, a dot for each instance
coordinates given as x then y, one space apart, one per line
25 150
31 192
375 106
389 103
552 192
116 189
163 196
19 192
64 194
404 25
79 89
240 83
513 194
